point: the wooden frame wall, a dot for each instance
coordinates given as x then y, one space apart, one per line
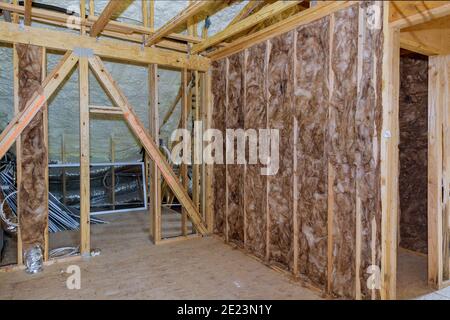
60 41
393 24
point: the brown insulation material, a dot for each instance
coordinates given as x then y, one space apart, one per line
280 116
342 149
33 194
311 110
413 150
235 172
368 129
255 183
219 73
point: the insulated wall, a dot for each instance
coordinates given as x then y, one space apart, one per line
32 190
413 152
318 215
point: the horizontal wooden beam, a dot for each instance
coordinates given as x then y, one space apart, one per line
62 41
49 86
410 13
429 38
245 24
301 18
105 110
111 8
62 20
175 22
147 142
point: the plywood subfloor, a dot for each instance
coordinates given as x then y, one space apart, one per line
130 267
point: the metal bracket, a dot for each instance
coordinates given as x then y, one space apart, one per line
83 52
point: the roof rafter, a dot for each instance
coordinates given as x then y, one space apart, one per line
245 24
251 7
180 19
113 7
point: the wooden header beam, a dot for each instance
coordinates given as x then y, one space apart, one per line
111 8
175 22
408 13
62 41
245 24
147 142
49 86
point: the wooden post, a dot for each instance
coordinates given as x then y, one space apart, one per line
389 157
84 158
82 17
197 153
438 167
18 148
45 125
444 84
155 176
184 124
91 8
208 193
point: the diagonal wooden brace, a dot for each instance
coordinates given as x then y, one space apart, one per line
23 118
152 149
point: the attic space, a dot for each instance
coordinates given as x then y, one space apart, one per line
238 149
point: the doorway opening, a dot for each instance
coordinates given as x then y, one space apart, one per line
413 177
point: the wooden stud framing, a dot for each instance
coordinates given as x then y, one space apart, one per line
84 158
180 19
251 7
445 83
155 176
22 119
45 125
55 40
111 8
389 157
91 8
18 145
147 142
197 152
438 171
245 24
27 14
208 193
301 18
184 124
113 28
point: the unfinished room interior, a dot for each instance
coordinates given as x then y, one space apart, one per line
258 149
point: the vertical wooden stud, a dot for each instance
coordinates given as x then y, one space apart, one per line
184 123
389 157
155 175
84 157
